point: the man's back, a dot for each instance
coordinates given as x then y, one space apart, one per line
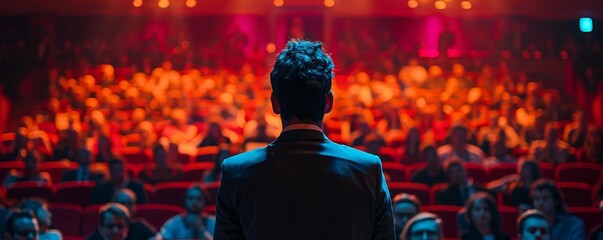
303 186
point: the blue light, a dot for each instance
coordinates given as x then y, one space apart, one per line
586 24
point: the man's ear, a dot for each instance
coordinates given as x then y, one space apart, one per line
329 102
276 106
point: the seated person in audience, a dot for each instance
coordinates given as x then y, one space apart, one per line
21 225
424 225
593 152
39 208
500 154
482 218
139 228
433 172
68 142
405 207
161 171
114 223
214 136
547 198
534 225
39 137
550 149
460 147
575 132
83 171
13 151
31 172
460 187
517 186
103 191
412 150
179 132
193 223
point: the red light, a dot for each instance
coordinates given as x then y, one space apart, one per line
537 55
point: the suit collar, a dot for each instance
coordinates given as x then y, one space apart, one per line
301 134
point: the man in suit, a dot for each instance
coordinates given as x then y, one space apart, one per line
460 187
302 185
83 172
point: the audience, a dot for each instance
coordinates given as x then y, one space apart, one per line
550 149
460 147
460 187
114 223
192 223
534 225
483 219
433 172
516 187
547 198
405 207
424 225
83 172
103 191
139 228
21 225
162 170
39 209
31 172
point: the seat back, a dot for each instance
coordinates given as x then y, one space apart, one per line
6 167
170 193
207 154
74 192
588 173
435 190
508 220
477 172
22 190
68 218
56 168
421 191
576 194
591 216
500 170
157 214
448 214
90 219
394 172
196 171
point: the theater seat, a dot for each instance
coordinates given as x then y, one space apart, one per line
547 170
591 216
588 173
90 219
56 168
6 167
417 189
435 190
394 172
135 155
477 172
500 170
67 218
157 214
508 220
448 214
388 154
207 154
22 190
74 192
170 193
196 171
576 194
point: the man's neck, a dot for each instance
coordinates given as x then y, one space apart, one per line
295 122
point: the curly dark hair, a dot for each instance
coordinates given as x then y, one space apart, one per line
492 208
301 79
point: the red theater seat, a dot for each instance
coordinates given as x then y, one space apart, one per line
90 219
435 189
576 194
394 172
196 171
74 192
207 154
417 189
157 214
22 190
500 170
448 215
508 220
135 155
547 170
477 172
591 216
56 168
170 193
413 168
388 154
5 167
588 173
67 218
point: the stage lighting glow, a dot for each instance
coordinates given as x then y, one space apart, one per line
191 3
440 5
329 3
278 3
466 5
137 3
413 3
270 48
163 3
586 24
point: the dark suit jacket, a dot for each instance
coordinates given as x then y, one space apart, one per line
452 195
71 175
303 186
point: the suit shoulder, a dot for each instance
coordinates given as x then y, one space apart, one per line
354 154
245 159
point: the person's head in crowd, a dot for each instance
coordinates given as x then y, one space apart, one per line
138 115
546 197
32 163
580 117
160 155
430 156
301 83
83 157
21 225
405 207
179 117
413 138
482 214
458 138
528 171
455 171
194 199
533 225
423 226
117 171
214 130
127 198
551 132
499 149
114 221
39 208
